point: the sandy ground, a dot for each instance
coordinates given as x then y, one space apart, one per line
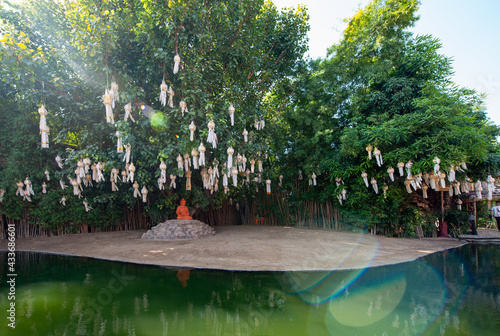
246 248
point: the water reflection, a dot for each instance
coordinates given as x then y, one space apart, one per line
450 293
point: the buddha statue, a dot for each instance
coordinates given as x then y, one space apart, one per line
182 211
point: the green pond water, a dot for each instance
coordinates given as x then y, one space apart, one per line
455 292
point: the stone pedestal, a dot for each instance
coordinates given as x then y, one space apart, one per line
179 229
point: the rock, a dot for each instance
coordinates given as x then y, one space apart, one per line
179 229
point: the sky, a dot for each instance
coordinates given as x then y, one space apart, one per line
468 30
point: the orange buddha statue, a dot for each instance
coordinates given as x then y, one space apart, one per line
183 211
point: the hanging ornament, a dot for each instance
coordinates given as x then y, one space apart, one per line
194 154
247 176
369 149
76 187
187 162
424 190
456 186
450 190
243 163
20 190
300 174
2 192
408 169
114 93
378 157
44 131
171 94
384 189
172 181
160 184
87 206
202 150
114 178
144 192
479 189
344 194
463 165
131 172
426 178
80 172
418 180
256 124
163 93
339 197
192 128
390 171
124 176
490 186
108 101
224 177
442 180
401 165
252 165
43 114
29 189
230 152
459 204
180 162
78 178
137 193
436 161
119 144
44 188
245 135
62 184
451 174
177 61
183 106
59 161
212 138
231 114
262 124
374 185
313 177
88 181
163 172
86 163
234 174
128 152
280 183
128 112
364 175
259 164
188 179
268 187
63 201
338 181
100 176
47 175
408 184
437 180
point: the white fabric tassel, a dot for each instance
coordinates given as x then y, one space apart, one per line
87 206
234 174
390 171
459 204
407 184
63 201
183 107
401 165
442 178
137 193
369 149
44 188
108 101
119 144
378 157
171 94
231 114
451 174
212 138
364 175
177 62
436 161
128 152
100 176
187 162
128 112
180 162
131 172
59 161
424 190
194 154
202 150
268 187
172 181
230 152
252 165
163 93
408 169
259 163
245 135
374 185
188 180
313 177
192 128
144 192
47 175
163 172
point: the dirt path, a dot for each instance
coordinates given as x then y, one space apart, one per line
245 248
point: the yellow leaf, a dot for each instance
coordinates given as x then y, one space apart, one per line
21 45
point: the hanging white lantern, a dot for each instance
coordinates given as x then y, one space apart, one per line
252 165
188 179
86 163
245 135
20 190
180 162
262 124
100 176
43 114
426 178
313 177
390 171
280 183
479 189
183 106
88 181
44 188
29 189
128 112
76 188
436 161
408 169
231 114
124 176
137 193
192 128
63 201
108 101
202 150
463 165
401 165
259 164
364 175
384 190
490 186
211 138
234 174
369 149
408 184
163 93
451 174
177 62
115 96
171 94
442 179
114 178
119 144
194 154
62 184
187 162
247 176
44 132
424 190
47 175
456 186
459 204
224 177
268 187
230 152
87 206
80 172
450 190
344 194
378 157
374 185
144 192
172 181
163 172
243 163
256 124
128 153
131 172
160 184
59 161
